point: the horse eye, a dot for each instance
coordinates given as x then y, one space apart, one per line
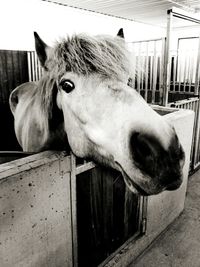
67 85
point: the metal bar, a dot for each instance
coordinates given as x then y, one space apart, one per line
146 72
151 40
154 74
174 73
144 214
162 61
182 16
197 71
142 69
190 72
139 70
151 71
197 135
134 67
193 104
179 71
185 71
167 60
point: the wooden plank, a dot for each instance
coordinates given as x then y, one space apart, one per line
23 66
13 72
27 163
85 167
10 74
4 66
16 70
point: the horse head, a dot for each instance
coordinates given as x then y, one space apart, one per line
84 94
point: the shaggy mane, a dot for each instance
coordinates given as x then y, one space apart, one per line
83 54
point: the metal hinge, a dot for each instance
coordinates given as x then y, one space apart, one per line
144 215
144 226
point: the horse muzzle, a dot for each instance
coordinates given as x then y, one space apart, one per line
156 168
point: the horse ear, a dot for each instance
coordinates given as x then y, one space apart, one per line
121 33
41 50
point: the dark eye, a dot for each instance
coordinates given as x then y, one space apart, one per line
67 85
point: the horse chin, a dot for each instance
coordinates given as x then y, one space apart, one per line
133 187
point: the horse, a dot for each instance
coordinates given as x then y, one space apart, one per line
83 102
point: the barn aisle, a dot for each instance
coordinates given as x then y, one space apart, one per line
180 244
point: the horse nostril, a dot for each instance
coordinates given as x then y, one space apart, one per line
163 166
144 150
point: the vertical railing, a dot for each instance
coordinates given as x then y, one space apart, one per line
197 74
34 68
192 104
167 60
180 79
147 72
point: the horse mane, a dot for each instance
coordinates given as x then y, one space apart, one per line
85 55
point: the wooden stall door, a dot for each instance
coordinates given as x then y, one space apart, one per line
107 215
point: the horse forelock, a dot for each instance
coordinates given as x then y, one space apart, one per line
83 54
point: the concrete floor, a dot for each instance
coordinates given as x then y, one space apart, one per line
180 244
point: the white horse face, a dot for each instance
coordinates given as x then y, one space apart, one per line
106 120
110 122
